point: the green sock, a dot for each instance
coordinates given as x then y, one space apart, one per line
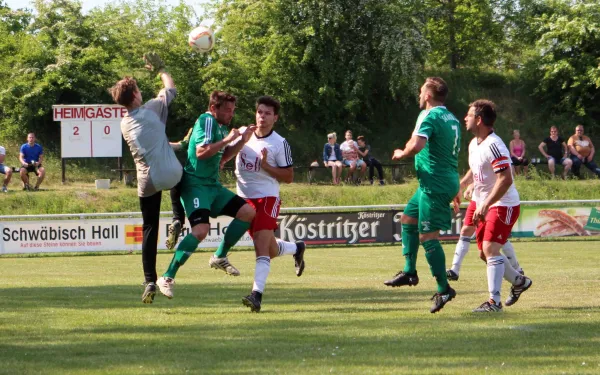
410 247
437 263
186 248
234 232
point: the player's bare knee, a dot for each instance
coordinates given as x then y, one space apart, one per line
200 231
467 231
246 213
8 172
491 249
424 237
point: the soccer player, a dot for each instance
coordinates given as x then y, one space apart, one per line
263 162
143 129
202 194
497 202
436 143
466 233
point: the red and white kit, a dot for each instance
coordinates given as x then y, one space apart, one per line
485 160
258 187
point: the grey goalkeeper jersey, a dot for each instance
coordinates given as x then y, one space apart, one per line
144 131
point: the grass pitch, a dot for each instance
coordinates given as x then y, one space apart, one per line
83 315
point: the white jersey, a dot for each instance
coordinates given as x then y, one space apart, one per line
485 160
252 181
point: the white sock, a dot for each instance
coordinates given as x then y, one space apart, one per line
495 272
510 274
263 266
462 248
509 251
285 247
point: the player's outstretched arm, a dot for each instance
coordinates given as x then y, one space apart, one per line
167 80
236 146
211 149
414 145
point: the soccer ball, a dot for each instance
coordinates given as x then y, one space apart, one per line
201 39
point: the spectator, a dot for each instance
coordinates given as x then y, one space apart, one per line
556 151
517 153
7 171
350 154
31 157
582 152
332 157
364 150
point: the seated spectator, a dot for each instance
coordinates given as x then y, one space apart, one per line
350 154
332 158
7 171
556 152
582 152
364 150
31 161
517 153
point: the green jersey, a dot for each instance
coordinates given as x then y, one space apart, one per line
206 131
437 162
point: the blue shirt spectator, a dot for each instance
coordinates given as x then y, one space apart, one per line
31 153
31 157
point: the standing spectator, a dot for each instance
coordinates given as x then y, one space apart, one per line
582 152
517 153
364 150
556 151
332 157
350 154
31 157
7 171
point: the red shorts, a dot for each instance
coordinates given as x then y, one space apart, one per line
469 214
267 211
497 225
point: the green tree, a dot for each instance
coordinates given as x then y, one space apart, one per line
567 65
463 33
334 64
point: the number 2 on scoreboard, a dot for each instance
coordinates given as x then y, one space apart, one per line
75 130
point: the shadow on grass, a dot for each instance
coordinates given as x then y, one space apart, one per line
202 295
302 330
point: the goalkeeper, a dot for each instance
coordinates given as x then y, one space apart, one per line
157 167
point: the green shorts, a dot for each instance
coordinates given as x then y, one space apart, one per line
432 210
212 197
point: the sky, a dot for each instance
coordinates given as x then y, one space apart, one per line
89 4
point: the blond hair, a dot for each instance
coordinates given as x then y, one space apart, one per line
332 135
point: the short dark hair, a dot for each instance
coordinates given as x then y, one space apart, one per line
438 88
269 101
217 98
123 92
361 138
486 109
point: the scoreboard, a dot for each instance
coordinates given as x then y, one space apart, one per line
90 130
